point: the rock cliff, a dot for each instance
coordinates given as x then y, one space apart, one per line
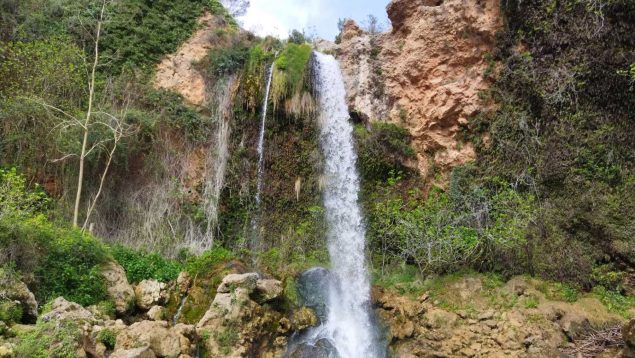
425 74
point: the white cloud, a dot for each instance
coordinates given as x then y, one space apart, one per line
279 17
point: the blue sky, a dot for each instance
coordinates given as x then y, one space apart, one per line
278 17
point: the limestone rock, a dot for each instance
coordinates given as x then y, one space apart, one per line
6 352
245 281
268 290
141 352
119 290
12 289
431 65
156 335
157 313
149 293
303 319
63 310
628 332
183 282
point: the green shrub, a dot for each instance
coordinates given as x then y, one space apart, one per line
615 302
140 265
65 262
10 312
382 150
200 264
108 337
50 339
15 197
226 61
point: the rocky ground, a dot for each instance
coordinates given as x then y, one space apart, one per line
249 315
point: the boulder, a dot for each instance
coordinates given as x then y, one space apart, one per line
119 290
245 281
628 333
313 287
6 352
320 349
63 310
268 290
303 319
157 313
163 341
183 282
149 293
12 289
142 352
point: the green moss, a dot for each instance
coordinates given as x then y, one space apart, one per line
50 339
293 63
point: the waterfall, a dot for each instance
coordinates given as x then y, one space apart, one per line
348 325
261 137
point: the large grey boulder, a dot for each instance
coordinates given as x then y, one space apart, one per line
313 288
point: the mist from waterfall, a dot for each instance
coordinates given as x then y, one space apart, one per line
348 326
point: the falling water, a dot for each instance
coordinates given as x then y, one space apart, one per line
261 137
348 326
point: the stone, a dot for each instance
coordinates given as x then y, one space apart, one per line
157 335
233 281
119 290
303 319
487 315
628 333
157 313
6 352
313 287
141 352
321 349
12 289
183 282
268 290
63 310
149 293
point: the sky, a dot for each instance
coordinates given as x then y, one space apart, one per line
319 17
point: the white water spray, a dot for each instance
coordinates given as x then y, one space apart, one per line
348 326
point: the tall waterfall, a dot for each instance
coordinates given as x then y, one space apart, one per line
255 220
348 326
261 137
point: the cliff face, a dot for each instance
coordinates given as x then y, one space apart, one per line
425 74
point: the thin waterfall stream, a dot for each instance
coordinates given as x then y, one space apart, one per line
349 325
261 162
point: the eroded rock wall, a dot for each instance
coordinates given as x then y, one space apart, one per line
425 74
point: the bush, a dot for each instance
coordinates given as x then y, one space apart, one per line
382 150
200 264
50 339
140 265
64 262
15 197
10 312
108 337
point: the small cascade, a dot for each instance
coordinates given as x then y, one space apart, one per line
179 311
261 163
348 328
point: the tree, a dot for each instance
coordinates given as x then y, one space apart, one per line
236 8
297 37
372 25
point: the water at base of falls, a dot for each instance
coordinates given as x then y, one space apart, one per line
348 330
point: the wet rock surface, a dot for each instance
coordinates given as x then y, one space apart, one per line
313 287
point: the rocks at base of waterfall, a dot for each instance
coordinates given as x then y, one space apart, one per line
628 333
313 288
267 290
162 340
183 282
149 293
157 313
323 348
246 281
119 290
12 289
141 352
63 310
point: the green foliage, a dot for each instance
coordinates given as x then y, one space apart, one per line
382 150
50 339
227 339
297 37
226 61
141 265
292 63
15 197
447 232
559 291
615 302
65 262
10 312
200 264
107 337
